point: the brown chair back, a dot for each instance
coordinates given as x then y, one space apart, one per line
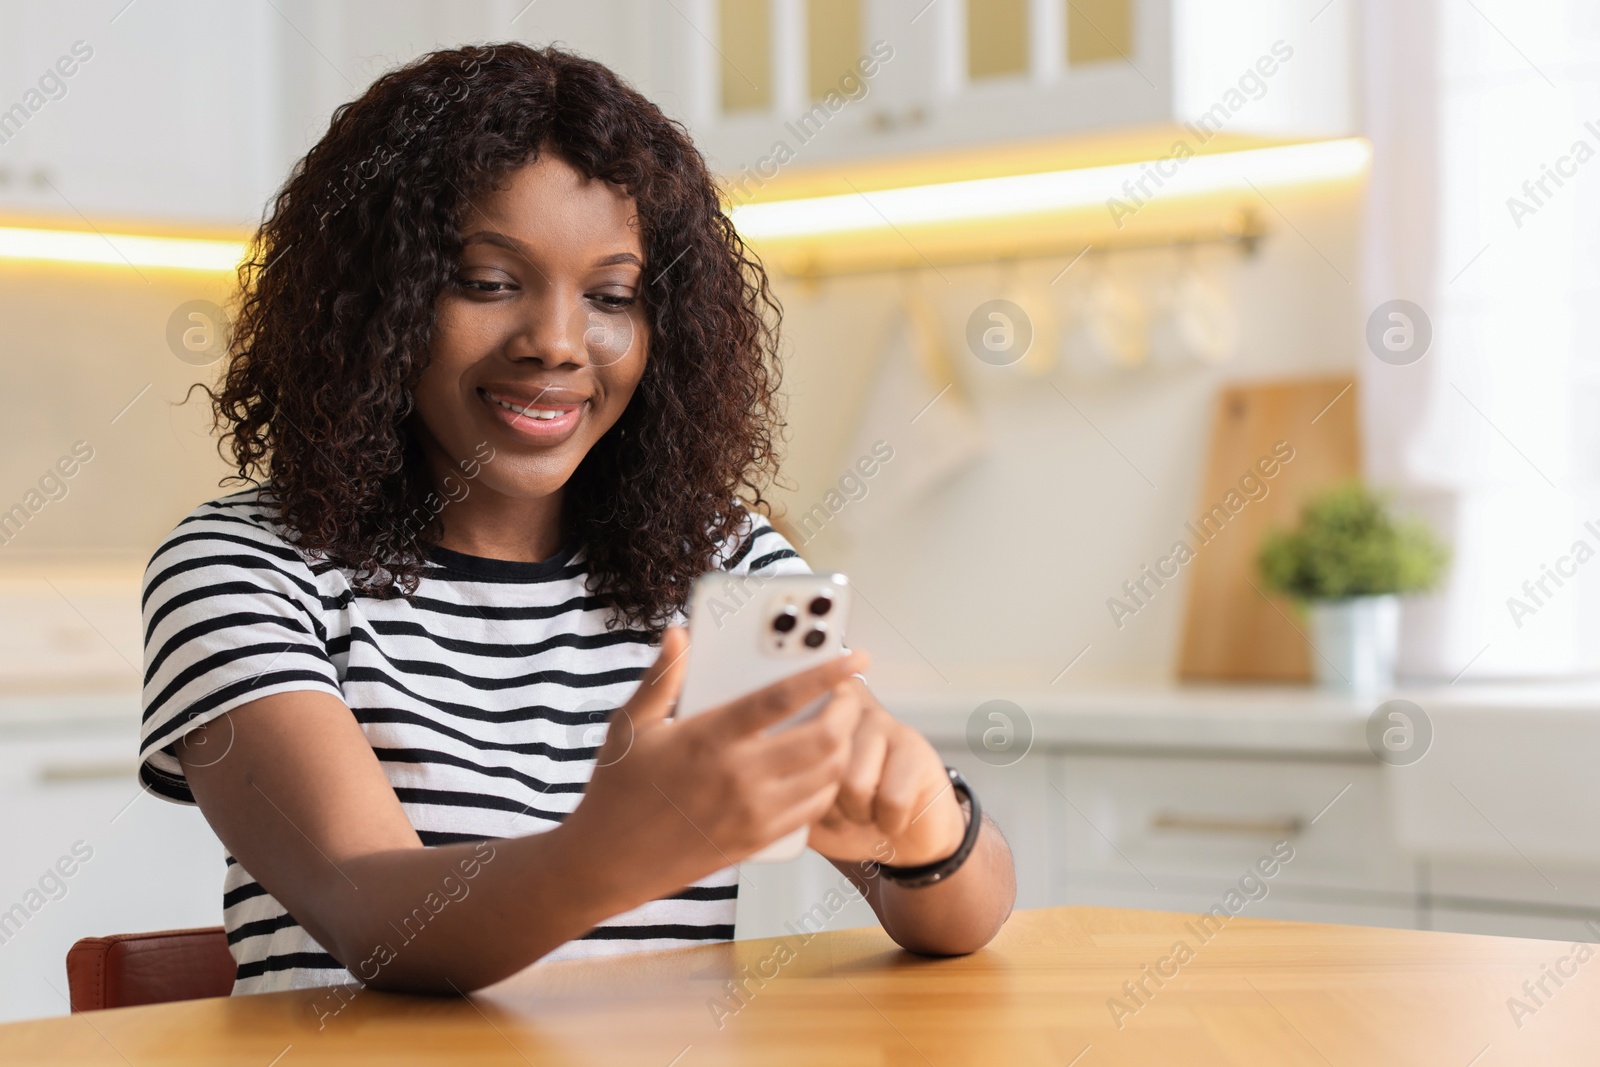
127 969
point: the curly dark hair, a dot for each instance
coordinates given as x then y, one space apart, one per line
336 309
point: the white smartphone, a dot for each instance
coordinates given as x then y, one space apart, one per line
747 632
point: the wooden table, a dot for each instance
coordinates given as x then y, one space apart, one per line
1255 992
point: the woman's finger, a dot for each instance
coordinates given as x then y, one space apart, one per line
869 749
904 782
770 706
824 737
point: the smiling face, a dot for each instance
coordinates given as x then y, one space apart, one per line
541 338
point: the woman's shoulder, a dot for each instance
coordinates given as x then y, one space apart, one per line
248 518
240 533
756 546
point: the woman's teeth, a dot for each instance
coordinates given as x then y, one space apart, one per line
542 414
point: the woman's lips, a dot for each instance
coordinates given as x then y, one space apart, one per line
542 420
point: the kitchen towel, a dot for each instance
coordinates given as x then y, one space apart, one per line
916 415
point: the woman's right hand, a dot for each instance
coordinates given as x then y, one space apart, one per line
671 801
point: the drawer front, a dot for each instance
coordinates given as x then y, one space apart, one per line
1165 823
1502 784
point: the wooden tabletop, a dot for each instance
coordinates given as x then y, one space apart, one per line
1046 992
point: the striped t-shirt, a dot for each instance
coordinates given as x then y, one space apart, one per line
484 696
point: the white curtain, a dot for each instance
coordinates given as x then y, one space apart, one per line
1492 435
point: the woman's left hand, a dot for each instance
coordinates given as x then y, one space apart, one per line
895 802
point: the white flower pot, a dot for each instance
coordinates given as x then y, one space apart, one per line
1355 642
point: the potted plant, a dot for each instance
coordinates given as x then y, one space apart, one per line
1349 562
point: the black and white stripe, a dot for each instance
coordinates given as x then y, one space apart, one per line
477 695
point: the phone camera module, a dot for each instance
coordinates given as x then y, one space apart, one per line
820 605
814 638
785 621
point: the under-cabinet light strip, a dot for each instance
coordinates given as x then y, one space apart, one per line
1120 188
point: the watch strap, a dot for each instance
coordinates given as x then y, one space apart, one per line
932 873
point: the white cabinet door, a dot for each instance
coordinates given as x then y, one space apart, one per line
168 112
767 83
831 80
88 853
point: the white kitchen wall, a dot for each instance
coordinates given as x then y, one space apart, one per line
1004 573
78 346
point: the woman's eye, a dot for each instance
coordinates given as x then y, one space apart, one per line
483 285
612 301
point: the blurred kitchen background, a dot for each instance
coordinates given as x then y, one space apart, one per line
1088 270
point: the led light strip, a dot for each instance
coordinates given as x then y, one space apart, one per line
1025 194
120 249
918 205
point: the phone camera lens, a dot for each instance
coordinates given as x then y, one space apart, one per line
814 638
820 605
785 621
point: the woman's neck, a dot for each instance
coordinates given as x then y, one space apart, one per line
494 526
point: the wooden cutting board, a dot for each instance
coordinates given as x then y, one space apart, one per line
1232 632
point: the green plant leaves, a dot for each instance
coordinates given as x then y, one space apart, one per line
1348 544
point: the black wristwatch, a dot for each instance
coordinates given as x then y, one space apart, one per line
937 871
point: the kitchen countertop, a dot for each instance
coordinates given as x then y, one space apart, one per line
1257 720
1277 720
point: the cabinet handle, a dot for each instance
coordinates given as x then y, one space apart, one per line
57 773
1207 824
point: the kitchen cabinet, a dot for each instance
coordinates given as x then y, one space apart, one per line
188 114
762 83
1167 801
1209 821
87 852
1170 799
193 113
121 113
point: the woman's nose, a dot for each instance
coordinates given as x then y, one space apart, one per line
554 333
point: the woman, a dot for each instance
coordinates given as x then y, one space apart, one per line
505 369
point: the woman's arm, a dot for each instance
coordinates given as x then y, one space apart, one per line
301 801
958 915
896 806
